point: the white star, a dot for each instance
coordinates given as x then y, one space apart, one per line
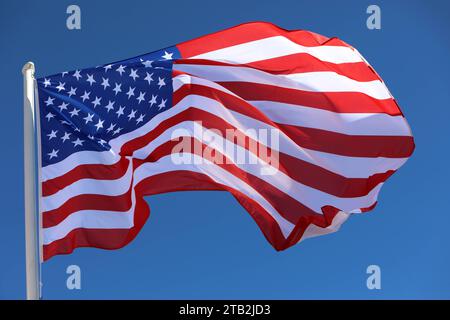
120 111
77 74
64 73
52 134
117 88
130 92
153 100
133 74
161 82
141 97
47 82
140 119
167 55
49 101
90 79
53 154
65 137
85 96
120 69
49 116
99 124
111 127
63 106
88 118
74 112
61 86
72 91
105 83
96 101
91 137
147 63
110 105
162 104
117 130
64 122
102 142
132 115
149 78
78 142
109 66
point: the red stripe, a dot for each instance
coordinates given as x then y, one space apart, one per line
120 203
109 239
369 208
229 101
343 102
99 238
250 32
89 171
297 63
351 145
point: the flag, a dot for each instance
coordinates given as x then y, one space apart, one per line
298 127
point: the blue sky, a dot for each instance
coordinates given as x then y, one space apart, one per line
203 244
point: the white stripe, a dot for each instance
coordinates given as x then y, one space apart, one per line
76 159
323 81
115 187
278 46
376 124
182 79
330 81
91 219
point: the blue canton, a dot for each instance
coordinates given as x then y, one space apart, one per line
85 109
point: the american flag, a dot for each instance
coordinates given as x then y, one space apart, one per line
108 136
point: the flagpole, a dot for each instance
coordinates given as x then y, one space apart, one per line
31 234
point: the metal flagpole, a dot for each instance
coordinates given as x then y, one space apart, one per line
31 231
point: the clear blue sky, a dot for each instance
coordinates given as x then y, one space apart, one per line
203 244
